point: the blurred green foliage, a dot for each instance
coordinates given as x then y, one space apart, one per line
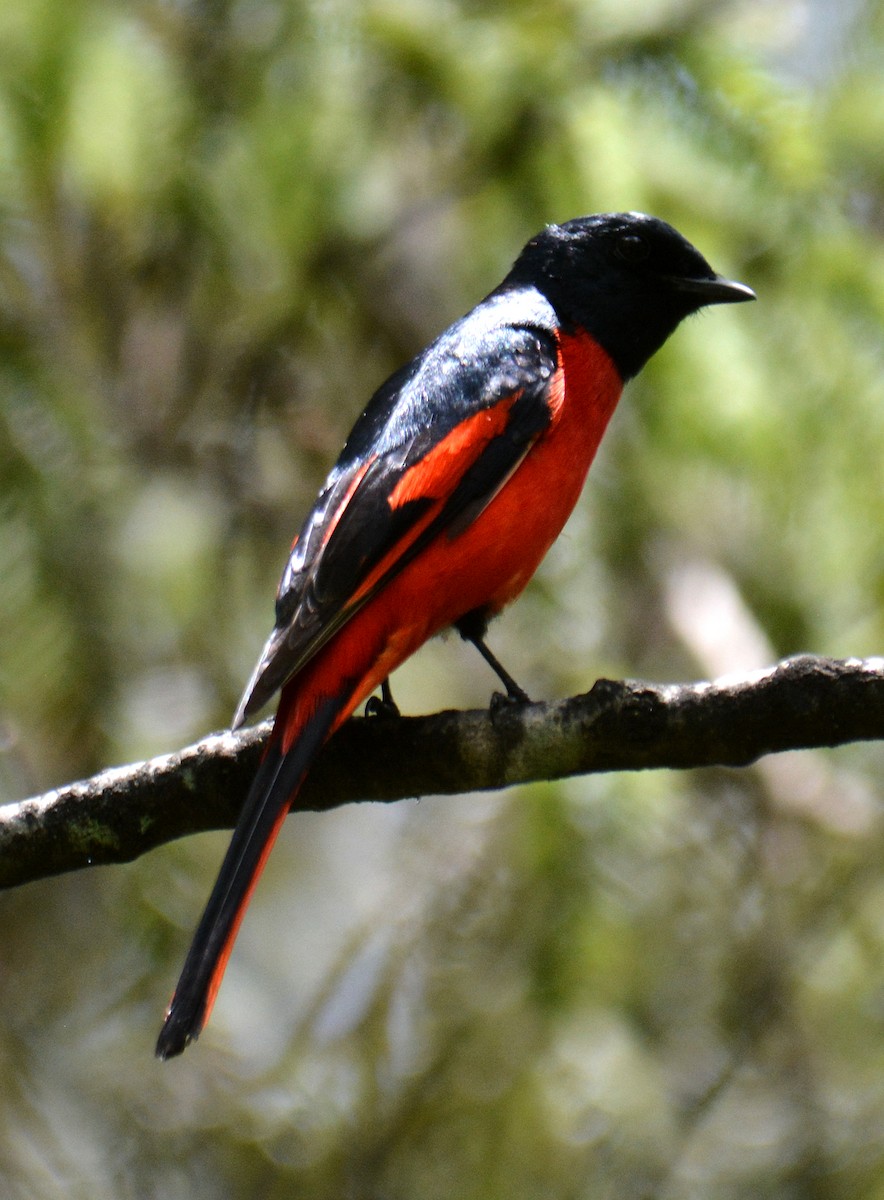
222 223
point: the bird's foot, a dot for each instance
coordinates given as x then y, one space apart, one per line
383 706
506 701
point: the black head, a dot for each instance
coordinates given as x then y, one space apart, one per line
625 278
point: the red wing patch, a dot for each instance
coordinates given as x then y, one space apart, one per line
390 558
347 497
434 477
440 469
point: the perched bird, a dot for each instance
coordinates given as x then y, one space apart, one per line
453 484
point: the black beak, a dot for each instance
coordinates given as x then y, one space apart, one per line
715 290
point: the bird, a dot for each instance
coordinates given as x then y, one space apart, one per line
454 482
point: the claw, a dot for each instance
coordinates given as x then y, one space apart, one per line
505 702
383 706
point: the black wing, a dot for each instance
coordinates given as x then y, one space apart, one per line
361 531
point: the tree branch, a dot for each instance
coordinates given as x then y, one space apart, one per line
122 813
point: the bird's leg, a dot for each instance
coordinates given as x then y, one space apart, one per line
472 629
514 693
383 705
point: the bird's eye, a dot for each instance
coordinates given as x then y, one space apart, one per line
632 248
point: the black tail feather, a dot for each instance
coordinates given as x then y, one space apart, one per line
278 778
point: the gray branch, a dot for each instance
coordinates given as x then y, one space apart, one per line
617 726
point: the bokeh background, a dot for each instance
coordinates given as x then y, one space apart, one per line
222 223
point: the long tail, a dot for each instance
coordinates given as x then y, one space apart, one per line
279 776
